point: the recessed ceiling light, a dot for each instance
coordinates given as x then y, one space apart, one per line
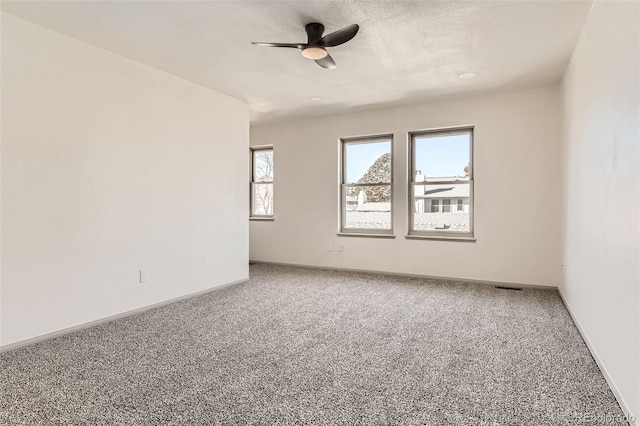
467 75
315 98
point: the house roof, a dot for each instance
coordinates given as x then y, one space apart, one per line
450 190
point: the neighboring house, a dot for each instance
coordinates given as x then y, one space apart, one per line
442 197
352 202
429 198
359 203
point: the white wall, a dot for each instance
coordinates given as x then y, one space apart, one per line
517 191
601 280
109 166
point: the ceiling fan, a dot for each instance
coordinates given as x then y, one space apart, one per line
315 47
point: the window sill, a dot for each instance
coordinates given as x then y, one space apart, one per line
440 238
356 234
262 219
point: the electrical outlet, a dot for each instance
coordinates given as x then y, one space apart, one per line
331 247
144 275
341 247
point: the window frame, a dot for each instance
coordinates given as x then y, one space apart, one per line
342 187
253 182
439 234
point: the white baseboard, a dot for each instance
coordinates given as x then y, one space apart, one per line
404 274
57 333
594 353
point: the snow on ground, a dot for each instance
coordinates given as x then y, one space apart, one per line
458 222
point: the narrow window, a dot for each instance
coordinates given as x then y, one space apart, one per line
262 183
366 185
441 164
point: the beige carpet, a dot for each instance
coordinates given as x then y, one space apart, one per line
307 346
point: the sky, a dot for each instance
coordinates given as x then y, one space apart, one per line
361 156
435 156
443 155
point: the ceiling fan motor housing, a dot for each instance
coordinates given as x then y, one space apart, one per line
314 32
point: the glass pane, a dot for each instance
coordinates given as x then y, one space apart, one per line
262 199
442 157
263 165
432 207
368 207
368 162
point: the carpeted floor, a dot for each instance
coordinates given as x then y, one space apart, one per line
307 346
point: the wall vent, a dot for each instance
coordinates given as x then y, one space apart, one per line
504 287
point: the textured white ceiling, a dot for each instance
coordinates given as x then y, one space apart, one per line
405 52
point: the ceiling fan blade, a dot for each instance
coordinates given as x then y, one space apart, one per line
336 38
326 62
293 45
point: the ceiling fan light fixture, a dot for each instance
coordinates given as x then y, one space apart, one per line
314 52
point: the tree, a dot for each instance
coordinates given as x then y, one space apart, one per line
379 172
263 172
467 170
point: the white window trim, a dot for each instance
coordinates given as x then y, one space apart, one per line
252 182
440 234
362 232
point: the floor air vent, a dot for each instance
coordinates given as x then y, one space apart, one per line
503 287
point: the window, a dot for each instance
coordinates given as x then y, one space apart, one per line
441 171
262 183
366 185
